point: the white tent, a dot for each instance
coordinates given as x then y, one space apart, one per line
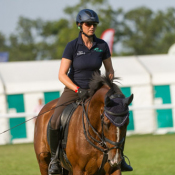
20 77
160 67
138 73
130 71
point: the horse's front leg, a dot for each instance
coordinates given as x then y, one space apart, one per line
43 160
117 172
78 171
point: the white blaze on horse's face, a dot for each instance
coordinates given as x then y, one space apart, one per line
117 158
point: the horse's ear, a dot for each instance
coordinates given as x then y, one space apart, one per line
107 101
127 101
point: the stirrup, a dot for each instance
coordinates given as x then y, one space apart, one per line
54 171
126 167
127 159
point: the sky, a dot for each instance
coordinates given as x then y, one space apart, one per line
10 10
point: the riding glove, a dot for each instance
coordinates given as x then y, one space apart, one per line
83 93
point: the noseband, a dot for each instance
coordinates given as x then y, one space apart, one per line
102 139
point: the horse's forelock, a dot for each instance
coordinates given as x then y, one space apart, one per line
98 81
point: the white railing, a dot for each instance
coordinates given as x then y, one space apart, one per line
20 115
165 106
23 114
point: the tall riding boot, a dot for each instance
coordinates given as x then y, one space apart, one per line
54 166
124 165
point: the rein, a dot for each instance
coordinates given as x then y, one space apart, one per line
102 138
37 116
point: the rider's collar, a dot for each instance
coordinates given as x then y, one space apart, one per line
80 40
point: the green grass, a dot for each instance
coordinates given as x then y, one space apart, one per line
18 159
149 155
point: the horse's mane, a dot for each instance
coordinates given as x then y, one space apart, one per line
98 81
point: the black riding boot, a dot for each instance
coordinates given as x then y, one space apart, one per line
124 165
54 166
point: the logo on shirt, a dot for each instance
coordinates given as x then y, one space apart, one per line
98 50
80 53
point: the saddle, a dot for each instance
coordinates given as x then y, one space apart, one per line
63 130
65 119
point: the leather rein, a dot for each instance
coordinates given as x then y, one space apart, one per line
101 143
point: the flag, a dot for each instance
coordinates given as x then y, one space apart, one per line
4 56
108 36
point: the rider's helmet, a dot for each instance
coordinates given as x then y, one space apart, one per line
87 15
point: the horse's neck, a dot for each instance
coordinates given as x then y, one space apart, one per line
97 107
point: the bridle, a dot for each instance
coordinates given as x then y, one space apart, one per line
101 143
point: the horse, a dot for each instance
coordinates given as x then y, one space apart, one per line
96 132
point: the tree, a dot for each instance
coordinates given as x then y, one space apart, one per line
30 41
147 32
3 46
139 31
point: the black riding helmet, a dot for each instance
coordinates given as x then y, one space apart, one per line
86 15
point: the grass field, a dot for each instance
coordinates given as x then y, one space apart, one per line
149 155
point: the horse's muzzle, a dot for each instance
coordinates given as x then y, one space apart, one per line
114 164
116 160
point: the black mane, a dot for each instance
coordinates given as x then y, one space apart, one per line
98 81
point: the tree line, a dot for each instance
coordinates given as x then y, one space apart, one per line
139 31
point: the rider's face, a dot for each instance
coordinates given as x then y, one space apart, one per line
89 28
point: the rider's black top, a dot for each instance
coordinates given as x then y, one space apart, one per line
85 61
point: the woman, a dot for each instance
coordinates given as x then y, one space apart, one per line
81 58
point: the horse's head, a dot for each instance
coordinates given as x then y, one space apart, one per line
116 119
114 114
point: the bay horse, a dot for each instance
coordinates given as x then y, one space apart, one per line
96 131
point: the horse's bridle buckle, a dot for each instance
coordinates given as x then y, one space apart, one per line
103 144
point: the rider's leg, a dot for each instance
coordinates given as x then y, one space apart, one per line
124 165
54 135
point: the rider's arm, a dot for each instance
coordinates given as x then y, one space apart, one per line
64 68
109 68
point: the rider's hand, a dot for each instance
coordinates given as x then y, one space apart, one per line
83 93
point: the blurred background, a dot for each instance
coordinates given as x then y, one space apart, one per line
33 35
